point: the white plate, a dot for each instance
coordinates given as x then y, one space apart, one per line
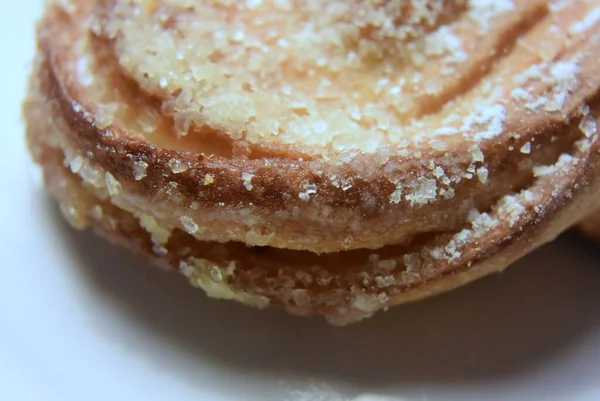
81 320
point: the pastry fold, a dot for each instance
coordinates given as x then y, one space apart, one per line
327 157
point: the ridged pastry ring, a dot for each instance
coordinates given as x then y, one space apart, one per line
329 157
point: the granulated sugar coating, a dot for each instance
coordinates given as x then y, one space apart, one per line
328 157
260 71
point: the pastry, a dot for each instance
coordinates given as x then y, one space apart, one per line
328 157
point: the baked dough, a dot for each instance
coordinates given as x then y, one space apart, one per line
329 157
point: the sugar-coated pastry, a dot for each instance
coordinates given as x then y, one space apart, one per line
329 157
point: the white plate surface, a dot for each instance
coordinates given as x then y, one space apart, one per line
81 320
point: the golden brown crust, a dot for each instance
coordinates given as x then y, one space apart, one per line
417 217
374 199
344 288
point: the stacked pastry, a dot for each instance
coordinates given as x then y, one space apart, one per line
328 157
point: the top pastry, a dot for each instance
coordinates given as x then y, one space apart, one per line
328 125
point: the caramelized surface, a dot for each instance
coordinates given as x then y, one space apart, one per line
330 157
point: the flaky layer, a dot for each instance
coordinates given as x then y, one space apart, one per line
457 160
501 166
344 286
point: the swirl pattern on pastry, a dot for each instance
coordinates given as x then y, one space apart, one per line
330 157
